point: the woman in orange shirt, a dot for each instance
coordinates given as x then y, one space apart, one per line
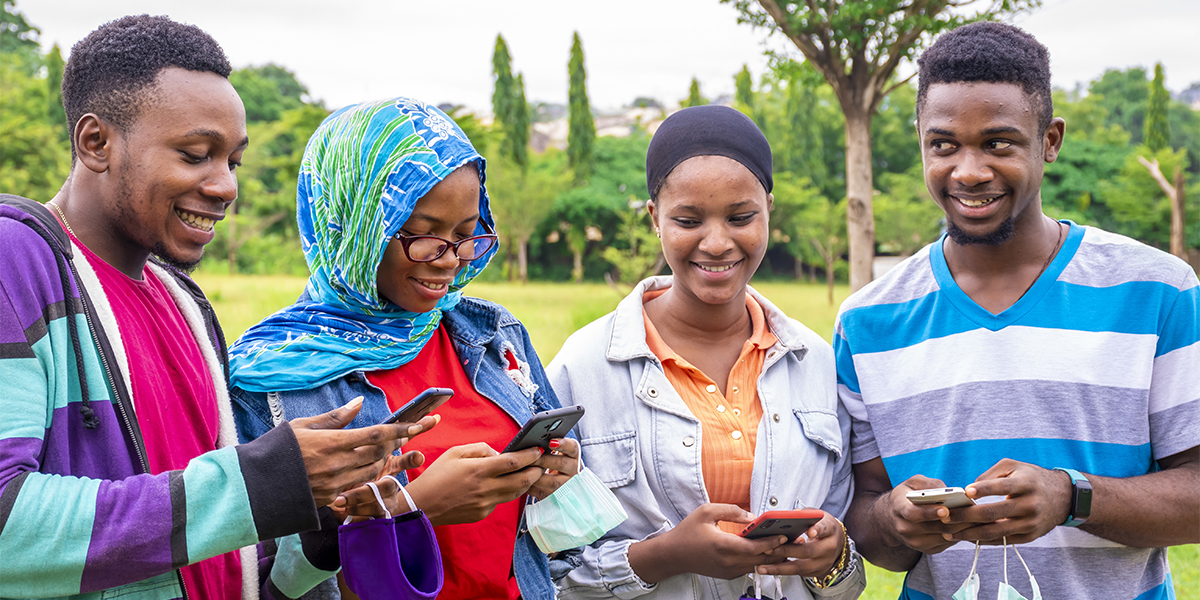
706 404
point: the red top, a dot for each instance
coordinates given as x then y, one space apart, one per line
174 397
476 557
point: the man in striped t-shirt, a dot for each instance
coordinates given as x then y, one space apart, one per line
1051 369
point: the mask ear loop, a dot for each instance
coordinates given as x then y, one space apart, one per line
407 497
1032 581
378 498
974 561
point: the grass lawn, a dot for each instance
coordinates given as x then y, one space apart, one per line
551 311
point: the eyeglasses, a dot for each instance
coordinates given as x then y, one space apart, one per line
428 248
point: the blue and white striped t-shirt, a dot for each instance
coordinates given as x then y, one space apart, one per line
1096 368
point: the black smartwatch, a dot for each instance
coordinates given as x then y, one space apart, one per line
1081 498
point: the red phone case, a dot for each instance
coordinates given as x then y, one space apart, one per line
790 523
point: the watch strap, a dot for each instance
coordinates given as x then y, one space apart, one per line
1081 498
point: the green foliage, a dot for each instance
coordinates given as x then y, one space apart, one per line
54 109
522 198
694 97
35 154
1138 206
267 91
743 83
906 218
1158 132
509 106
1124 95
637 251
18 39
581 136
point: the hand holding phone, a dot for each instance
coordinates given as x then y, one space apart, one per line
950 497
544 426
421 405
788 523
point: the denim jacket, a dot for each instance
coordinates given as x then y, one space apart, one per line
643 442
481 331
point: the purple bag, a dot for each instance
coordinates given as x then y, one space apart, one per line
389 558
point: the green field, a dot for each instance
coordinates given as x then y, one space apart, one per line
552 311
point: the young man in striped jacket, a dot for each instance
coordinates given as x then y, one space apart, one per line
1049 368
118 459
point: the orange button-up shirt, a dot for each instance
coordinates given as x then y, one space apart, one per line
728 423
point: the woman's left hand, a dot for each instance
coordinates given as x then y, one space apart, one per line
560 464
812 558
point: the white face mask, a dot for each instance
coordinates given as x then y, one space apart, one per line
970 588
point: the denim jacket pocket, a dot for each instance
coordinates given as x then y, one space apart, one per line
822 428
612 457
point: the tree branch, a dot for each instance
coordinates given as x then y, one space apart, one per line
1156 173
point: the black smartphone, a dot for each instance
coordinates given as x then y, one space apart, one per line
421 405
788 523
544 426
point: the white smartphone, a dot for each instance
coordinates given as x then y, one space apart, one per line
951 497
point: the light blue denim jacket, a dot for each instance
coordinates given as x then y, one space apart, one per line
640 439
480 331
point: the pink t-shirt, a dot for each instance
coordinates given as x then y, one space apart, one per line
174 397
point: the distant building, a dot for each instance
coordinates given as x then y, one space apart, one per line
1190 96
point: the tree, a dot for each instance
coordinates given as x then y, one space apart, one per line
54 73
809 224
694 98
1158 133
581 136
641 255
35 153
509 107
18 38
857 47
1123 94
743 83
521 199
267 91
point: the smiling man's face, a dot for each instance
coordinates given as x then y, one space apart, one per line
984 155
175 166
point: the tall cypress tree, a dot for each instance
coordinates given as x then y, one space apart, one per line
744 84
694 98
581 136
1158 130
506 106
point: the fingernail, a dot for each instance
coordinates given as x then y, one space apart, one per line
541 450
415 429
354 402
948 537
554 444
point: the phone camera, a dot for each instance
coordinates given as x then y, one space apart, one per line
555 425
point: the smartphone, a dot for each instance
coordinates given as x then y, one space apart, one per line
544 426
421 405
789 523
951 497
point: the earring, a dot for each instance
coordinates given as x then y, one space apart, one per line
658 233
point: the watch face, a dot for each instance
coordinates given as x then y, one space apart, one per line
1083 500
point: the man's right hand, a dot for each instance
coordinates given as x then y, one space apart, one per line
466 483
336 458
917 527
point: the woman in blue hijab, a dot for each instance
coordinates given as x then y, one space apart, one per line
395 221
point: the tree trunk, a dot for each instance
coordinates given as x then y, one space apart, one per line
1177 232
577 270
798 270
523 259
232 210
829 260
860 218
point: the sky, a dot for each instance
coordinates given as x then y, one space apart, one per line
366 49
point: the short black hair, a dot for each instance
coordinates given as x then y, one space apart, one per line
992 52
112 71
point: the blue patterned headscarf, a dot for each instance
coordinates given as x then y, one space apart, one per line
363 171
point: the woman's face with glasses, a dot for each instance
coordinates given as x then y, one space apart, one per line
418 267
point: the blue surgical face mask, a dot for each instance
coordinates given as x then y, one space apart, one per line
576 514
970 588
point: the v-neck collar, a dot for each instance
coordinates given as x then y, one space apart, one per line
980 315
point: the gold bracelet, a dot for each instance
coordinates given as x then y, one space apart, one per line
836 570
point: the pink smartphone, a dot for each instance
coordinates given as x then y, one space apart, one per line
789 523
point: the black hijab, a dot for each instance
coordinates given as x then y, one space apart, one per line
707 131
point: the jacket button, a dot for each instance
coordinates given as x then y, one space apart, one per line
653 393
775 417
688 441
773 501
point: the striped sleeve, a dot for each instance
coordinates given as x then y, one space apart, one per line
862 438
74 517
1175 380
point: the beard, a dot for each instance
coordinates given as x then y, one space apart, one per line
997 236
160 251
